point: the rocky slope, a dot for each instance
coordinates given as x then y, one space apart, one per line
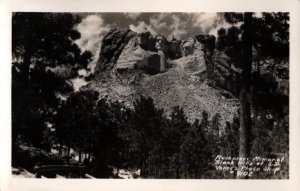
190 73
182 84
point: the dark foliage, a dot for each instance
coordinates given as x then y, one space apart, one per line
45 58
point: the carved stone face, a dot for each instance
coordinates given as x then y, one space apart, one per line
187 48
142 39
159 43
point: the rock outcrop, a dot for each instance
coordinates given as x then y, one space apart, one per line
183 84
223 73
113 44
174 49
137 56
123 50
220 71
191 73
139 70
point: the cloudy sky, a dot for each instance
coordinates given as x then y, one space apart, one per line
180 25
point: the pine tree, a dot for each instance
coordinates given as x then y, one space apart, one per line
75 120
45 57
146 122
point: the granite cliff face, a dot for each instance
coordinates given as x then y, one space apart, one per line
134 57
112 46
172 73
188 73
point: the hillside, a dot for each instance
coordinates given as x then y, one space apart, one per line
183 84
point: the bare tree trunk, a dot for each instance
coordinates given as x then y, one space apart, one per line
245 113
60 150
26 64
68 156
89 152
79 156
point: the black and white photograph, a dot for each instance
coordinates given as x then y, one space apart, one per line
150 95
142 95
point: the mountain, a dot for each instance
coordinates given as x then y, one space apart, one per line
188 73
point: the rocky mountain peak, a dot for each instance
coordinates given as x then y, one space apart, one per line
172 73
189 73
144 50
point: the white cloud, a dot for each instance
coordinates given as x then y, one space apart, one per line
182 25
142 27
92 30
178 27
205 20
157 22
133 16
210 23
258 14
169 24
214 31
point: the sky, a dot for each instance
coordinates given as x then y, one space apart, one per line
94 26
180 25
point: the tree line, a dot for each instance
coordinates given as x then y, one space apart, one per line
114 136
143 138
